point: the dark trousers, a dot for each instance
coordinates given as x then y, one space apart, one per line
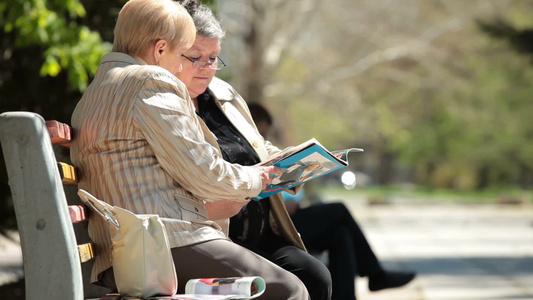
331 227
311 271
308 269
251 229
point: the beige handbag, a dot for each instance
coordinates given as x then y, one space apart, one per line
142 261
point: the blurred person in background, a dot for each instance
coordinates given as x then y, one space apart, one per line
331 227
262 226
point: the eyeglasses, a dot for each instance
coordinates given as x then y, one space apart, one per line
216 64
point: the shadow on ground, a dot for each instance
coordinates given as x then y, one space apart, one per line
471 266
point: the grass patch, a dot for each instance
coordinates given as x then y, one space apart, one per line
503 195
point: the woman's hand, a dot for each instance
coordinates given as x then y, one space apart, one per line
223 209
266 172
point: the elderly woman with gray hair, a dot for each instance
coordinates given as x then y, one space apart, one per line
262 226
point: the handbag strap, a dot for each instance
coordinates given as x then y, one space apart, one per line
103 209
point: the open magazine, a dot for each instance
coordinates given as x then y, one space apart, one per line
234 288
302 163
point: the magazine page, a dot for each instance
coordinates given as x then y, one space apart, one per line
238 287
289 151
303 163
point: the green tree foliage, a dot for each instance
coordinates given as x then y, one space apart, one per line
48 56
53 25
473 130
440 91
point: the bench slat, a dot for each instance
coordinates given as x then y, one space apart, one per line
68 173
86 252
78 213
60 133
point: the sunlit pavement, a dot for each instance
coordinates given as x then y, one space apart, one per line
10 261
459 251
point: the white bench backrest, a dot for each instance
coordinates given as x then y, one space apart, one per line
47 236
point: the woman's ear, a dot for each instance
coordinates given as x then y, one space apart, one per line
161 46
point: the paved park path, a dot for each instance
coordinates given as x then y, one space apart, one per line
460 251
10 261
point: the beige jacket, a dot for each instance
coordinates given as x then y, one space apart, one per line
140 145
236 109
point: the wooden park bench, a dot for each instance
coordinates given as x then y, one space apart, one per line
52 221
50 216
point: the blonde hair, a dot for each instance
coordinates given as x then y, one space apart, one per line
141 23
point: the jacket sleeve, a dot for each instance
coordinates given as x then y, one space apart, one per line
166 118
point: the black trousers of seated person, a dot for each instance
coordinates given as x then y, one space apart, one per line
330 226
275 248
307 268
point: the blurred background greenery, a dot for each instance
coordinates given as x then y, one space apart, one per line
438 93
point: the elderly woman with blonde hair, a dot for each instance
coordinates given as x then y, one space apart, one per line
139 145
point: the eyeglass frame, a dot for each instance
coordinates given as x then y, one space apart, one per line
205 63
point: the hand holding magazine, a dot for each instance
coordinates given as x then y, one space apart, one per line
302 163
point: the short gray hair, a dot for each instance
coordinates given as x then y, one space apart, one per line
205 21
